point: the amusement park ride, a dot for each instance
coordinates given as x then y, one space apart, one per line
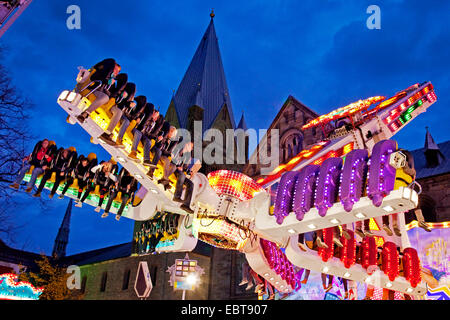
355 173
10 10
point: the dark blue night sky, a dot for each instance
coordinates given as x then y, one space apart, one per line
321 52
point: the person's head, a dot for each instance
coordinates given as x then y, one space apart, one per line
45 143
66 153
155 115
188 146
84 162
172 132
141 101
107 166
117 69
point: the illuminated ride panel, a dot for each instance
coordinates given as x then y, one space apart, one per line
294 212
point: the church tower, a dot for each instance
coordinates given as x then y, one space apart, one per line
59 248
203 92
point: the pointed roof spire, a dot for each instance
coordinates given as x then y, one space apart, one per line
204 83
434 156
62 239
242 124
429 141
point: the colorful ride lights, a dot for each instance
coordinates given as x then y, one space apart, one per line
285 192
381 175
368 252
352 178
279 263
390 260
411 266
348 250
402 113
327 185
233 184
304 190
327 253
319 186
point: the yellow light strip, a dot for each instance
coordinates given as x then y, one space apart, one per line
432 225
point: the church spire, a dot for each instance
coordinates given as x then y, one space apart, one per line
204 84
433 154
242 124
59 248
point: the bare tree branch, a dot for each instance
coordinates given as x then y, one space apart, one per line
14 135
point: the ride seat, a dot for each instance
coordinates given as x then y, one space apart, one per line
402 179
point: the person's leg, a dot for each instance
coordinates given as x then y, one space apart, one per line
123 128
305 279
301 242
330 280
181 177
81 185
324 281
89 189
169 168
245 273
23 171
345 234
117 114
386 225
147 148
421 220
101 99
58 180
124 200
112 196
336 236
395 225
189 190
320 243
102 192
36 172
47 175
367 231
345 283
156 156
69 182
137 135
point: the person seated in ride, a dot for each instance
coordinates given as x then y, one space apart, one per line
362 228
123 100
104 177
409 170
154 129
135 110
9 4
336 235
147 114
179 165
40 158
62 164
127 185
106 72
82 173
164 146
